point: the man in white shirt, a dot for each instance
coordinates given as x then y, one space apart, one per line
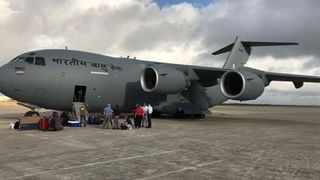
145 116
150 110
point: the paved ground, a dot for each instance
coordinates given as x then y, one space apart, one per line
235 142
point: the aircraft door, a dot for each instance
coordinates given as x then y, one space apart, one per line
79 94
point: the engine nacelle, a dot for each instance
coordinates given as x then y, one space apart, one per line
241 85
163 80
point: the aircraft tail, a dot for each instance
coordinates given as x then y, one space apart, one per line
241 50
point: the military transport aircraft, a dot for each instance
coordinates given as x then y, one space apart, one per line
55 79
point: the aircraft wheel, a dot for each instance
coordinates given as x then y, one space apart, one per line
197 116
156 114
180 113
31 113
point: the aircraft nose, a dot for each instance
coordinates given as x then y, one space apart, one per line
1 79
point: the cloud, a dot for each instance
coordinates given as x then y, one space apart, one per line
5 11
176 33
265 21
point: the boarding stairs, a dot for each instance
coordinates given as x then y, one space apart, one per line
76 110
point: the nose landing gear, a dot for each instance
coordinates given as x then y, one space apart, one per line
31 113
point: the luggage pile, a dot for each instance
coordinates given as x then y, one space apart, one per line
53 123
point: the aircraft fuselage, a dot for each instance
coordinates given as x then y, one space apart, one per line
54 79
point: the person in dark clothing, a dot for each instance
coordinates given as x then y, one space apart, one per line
116 112
128 120
83 114
64 118
56 122
80 96
127 124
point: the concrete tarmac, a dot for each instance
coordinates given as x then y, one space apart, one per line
234 142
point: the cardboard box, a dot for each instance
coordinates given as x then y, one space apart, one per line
30 120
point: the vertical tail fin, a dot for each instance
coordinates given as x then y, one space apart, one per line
241 50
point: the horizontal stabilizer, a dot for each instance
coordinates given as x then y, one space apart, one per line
241 50
248 44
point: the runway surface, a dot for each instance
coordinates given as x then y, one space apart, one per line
234 142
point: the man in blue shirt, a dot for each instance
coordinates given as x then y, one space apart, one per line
107 111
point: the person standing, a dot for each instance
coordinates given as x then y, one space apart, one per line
80 96
150 111
107 111
83 114
116 117
138 115
134 115
145 115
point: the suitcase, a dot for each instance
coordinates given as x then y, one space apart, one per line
92 119
28 127
44 124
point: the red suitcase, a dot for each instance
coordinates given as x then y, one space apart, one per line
44 124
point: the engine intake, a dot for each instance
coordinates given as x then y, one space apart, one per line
241 85
163 80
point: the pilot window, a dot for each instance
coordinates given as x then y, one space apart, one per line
29 60
40 61
18 59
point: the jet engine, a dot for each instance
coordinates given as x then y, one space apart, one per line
241 85
163 80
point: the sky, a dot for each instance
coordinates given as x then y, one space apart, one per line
184 32
162 3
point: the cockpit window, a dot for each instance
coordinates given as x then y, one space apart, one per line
29 60
18 59
40 61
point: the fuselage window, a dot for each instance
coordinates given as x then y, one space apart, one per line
29 60
40 61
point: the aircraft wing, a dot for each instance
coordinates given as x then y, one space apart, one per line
297 80
209 76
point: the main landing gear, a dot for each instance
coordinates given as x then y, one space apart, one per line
181 114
